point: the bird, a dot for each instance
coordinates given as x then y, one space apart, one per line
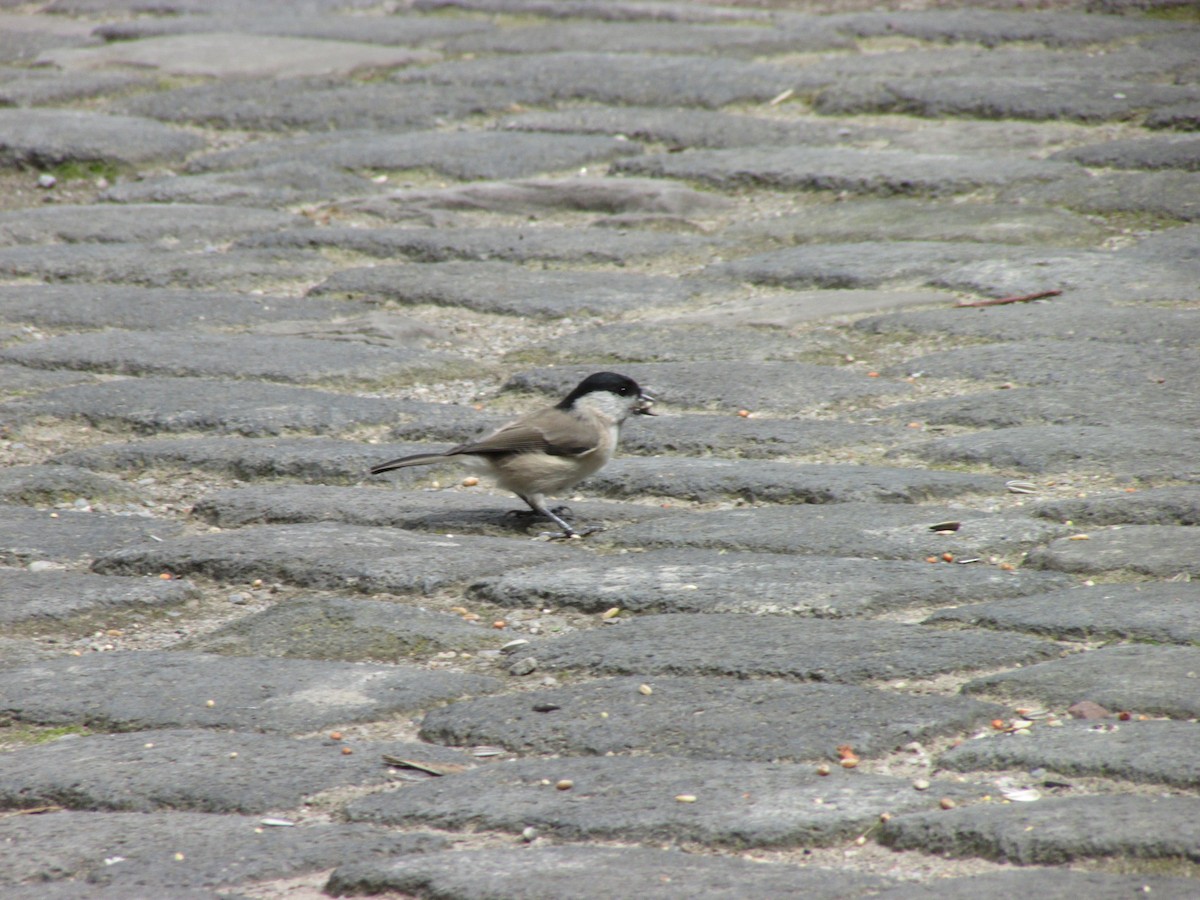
552 449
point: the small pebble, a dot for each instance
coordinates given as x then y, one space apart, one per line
921 784
564 785
46 181
529 835
526 666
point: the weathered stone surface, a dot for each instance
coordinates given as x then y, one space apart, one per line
275 19
1164 551
281 184
30 535
164 405
1161 613
807 649
626 79
1055 831
1044 882
790 721
1177 505
43 138
1151 153
500 287
73 306
19 379
200 771
555 872
227 355
674 581
151 265
767 386
764 481
441 511
130 691
458 154
347 629
862 172
1144 678
187 225
336 557
747 437
506 244
42 597
1168 194
634 800
139 852
33 485
38 87
236 55
995 27
872 530
1154 752
1138 451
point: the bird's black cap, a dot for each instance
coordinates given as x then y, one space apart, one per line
602 381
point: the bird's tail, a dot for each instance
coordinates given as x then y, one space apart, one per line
419 459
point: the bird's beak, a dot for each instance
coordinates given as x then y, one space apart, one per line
643 408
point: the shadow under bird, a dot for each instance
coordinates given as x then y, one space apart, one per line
550 450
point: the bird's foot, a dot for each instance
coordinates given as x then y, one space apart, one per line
569 534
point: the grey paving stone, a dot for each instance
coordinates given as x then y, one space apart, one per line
871 530
1147 153
667 341
313 459
347 629
314 104
441 511
198 771
1160 613
785 310
139 852
903 219
748 646
1155 752
654 37
678 127
163 405
24 87
505 244
1043 361
995 27
783 387
676 581
989 269
1062 318
43 597
231 355
44 138
179 225
149 265
1055 831
622 79
605 12
556 873
844 169
1164 551
1137 451
30 535
282 184
21 380
1148 679
1183 116
750 438
501 287
34 485
83 306
136 690
1170 194
704 718
230 54
767 481
458 154
1059 884
337 557
1149 403
1176 505
634 800
580 193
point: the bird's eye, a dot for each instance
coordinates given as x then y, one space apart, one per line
623 390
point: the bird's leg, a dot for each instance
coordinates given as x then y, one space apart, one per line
538 505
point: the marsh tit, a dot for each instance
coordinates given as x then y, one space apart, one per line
552 449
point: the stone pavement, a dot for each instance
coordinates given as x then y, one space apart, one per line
898 597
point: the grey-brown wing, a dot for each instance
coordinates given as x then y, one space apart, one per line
553 432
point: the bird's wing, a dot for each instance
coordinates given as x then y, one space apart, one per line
553 432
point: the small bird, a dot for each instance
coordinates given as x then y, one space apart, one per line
554 448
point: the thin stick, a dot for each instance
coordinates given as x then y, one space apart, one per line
1000 301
